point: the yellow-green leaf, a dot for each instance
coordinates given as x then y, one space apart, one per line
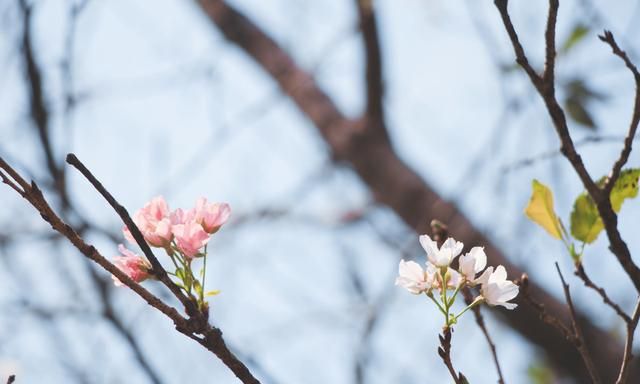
626 187
578 33
586 224
212 293
540 209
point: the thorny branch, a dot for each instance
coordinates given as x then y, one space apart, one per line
195 326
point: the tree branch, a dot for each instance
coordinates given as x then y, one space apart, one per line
374 78
195 326
582 274
392 182
608 38
577 337
628 346
545 87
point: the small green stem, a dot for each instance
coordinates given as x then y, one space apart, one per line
467 308
429 295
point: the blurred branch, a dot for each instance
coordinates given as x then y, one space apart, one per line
11 379
374 77
390 180
39 111
553 153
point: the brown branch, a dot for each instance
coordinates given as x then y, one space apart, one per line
11 379
608 38
582 274
444 351
577 337
545 88
195 324
375 87
468 299
628 346
158 271
393 182
548 76
540 309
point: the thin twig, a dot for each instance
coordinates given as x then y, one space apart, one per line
628 346
608 38
158 271
468 298
582 274
578 338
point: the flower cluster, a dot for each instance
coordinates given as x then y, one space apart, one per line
439 276
182 234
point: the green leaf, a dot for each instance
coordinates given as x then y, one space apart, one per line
212 293
578 33
540 209
586 224
626 187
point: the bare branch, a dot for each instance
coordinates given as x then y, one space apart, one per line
628 346
582 274
577 337
608 38
158 271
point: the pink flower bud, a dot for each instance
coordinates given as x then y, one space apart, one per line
133 265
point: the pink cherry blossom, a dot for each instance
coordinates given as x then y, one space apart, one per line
190 237
133 265
211 215
153 222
